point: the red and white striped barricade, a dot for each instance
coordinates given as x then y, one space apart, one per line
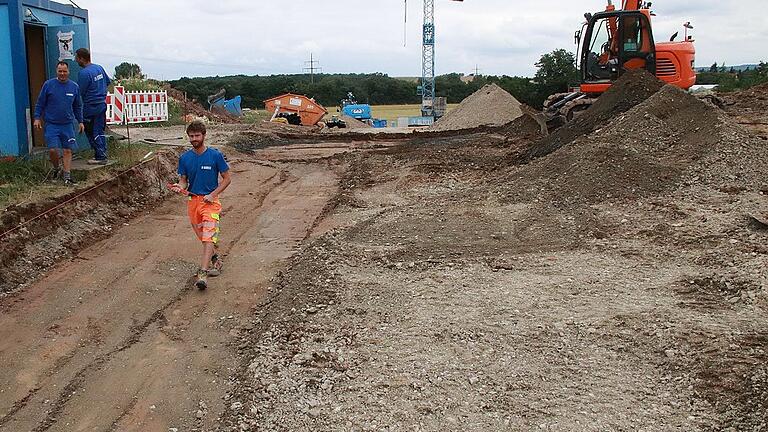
146 107
116 106
136 107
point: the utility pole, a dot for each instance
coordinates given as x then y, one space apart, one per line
477 71
310 66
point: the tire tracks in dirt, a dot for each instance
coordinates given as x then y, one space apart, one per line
281 186
136 332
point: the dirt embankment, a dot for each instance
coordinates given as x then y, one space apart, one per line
753 101
489 106
38 235
749 108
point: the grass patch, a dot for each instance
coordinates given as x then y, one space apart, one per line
255 116
19 177
26 180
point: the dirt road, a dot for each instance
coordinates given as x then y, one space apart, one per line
116 341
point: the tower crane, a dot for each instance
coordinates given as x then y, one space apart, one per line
427 87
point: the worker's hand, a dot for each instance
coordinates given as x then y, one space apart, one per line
38 123
176 188
209 198
81 128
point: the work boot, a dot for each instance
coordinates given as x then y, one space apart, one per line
202 279
68 180
216 265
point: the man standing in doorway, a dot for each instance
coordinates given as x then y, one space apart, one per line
199 171
93 81
59 105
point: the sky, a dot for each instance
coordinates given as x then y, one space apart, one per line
175 38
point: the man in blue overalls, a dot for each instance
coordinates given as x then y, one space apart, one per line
59 104
94 81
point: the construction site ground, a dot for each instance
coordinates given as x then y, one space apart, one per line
471 282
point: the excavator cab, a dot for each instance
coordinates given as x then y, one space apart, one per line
611 43
614 42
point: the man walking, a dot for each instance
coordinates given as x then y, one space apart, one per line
199 171
93 81
59 105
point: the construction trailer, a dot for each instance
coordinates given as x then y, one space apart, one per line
34 36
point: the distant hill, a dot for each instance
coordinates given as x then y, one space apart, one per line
737 68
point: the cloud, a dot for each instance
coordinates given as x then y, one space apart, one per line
173 38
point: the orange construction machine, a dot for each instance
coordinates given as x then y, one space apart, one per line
615 41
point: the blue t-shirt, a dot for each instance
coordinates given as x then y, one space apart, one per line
202 171
59 102
93 81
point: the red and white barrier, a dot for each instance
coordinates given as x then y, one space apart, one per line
136 107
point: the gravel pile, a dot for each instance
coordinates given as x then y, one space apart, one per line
489 106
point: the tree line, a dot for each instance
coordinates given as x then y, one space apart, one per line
555 72
730 79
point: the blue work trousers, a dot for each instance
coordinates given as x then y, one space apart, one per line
95 126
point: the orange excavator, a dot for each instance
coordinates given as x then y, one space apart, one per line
615 41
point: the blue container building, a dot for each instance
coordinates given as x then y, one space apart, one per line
34 36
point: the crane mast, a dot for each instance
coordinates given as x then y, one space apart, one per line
428 60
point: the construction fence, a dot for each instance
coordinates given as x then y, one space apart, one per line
136 107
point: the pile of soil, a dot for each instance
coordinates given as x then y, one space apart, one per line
192 107
353 123
631 89
523 127
646 151
489 106
32 244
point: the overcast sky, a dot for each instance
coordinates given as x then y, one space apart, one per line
175 38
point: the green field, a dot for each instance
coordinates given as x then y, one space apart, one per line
392 112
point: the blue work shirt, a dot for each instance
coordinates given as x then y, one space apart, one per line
202 171
59 102
93 81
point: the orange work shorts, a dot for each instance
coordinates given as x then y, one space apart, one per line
205 218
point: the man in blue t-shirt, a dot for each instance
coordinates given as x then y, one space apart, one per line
94 82
199 171
59 105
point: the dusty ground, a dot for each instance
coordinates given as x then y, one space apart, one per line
618 284
439 283
437 304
